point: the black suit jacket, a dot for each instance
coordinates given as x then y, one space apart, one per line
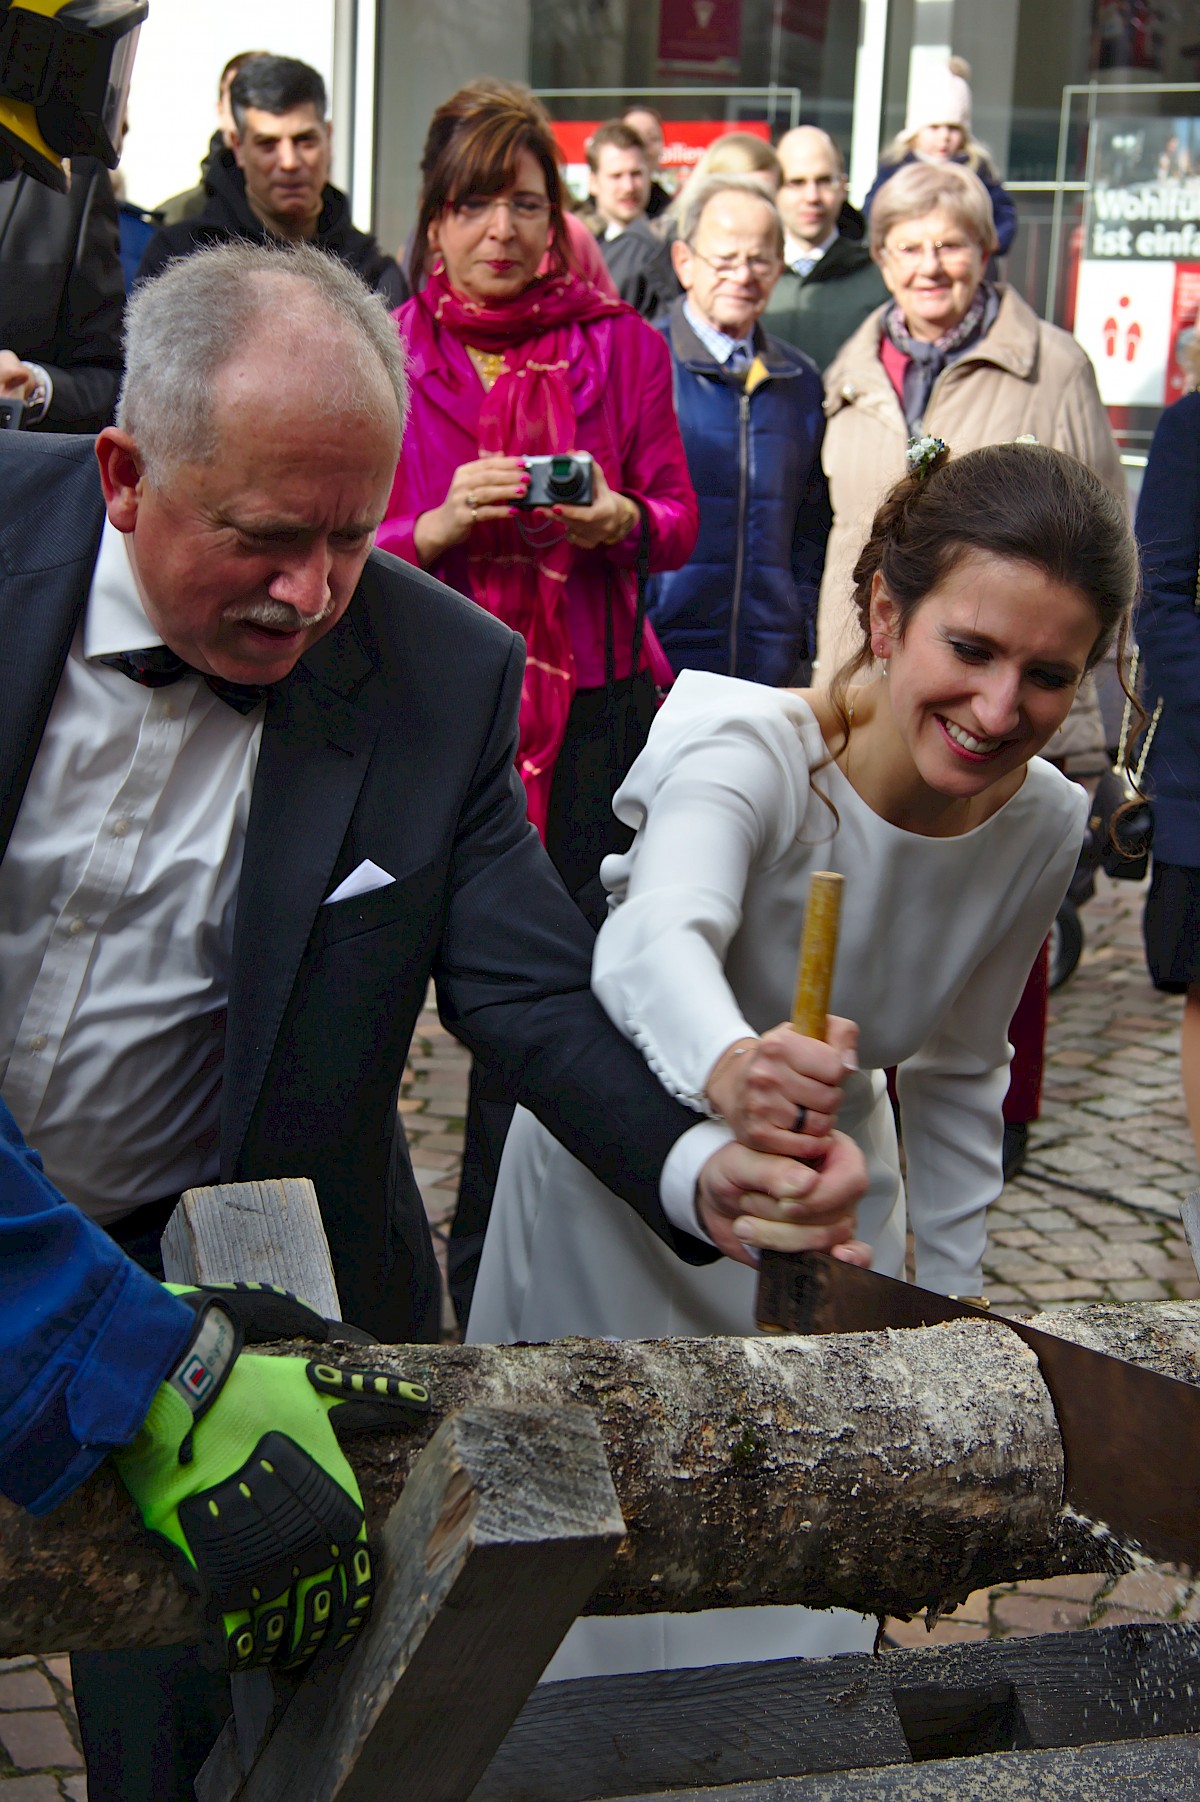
392 739
62 292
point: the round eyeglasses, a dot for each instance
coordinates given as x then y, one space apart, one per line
955 253
757 266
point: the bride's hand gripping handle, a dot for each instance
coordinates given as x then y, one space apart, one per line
781 1093
760 1086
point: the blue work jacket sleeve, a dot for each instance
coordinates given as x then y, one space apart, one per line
85 1335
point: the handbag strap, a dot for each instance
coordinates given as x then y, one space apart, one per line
643 583
1127 719
615 750
639 616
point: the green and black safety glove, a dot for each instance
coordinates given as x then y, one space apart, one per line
266 1313
238 1465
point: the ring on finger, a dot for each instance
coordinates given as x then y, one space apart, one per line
801 1117
472 502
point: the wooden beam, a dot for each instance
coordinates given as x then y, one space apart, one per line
507 1522
268 1232
1157 1770
734 1724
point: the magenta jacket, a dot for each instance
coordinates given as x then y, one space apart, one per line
621 382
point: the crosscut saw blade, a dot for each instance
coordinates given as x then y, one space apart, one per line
1131 1438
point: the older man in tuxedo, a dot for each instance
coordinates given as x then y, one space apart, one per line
256 788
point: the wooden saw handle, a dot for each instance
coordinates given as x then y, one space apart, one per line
818 950
779 1272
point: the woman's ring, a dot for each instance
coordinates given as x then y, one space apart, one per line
472 502
801 1117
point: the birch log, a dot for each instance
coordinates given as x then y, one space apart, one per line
888 1472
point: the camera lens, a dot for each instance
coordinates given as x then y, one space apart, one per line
565 480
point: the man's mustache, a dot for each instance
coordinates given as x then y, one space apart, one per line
277 616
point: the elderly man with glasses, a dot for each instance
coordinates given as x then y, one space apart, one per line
750 412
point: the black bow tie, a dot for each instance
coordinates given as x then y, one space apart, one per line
159 666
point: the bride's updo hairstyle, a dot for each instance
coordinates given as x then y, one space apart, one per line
1021 501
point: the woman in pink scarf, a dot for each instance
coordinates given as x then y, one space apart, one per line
506 362
513 353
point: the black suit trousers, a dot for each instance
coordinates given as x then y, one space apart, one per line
606 729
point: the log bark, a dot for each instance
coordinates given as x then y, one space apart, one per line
889 1472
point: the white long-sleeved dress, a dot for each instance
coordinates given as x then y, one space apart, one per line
937 938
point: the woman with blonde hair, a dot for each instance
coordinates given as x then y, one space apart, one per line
733 153
740 153
938 130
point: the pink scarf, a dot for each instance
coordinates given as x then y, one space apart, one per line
518 567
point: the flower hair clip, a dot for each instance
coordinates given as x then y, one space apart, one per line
923 454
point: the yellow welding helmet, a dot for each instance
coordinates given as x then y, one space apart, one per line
64 82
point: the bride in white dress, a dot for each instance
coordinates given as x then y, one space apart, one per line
989 586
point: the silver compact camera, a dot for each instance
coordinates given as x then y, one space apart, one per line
556 481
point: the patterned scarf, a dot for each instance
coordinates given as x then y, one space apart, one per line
926 361
519 568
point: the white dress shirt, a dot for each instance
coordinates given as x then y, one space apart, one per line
117 900
803 258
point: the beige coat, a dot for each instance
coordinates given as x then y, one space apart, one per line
1023 377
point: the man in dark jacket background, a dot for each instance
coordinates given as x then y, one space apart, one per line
829 283
618 190
750 410
272 183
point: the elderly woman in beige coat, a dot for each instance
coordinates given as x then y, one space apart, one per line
951 355
960 358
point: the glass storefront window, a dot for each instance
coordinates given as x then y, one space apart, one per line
808 45
1051 80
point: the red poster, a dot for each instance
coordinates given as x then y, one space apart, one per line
1185 324
687 140
699 31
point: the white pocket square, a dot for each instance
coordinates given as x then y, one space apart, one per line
362 881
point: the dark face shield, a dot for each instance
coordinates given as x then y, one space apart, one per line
64 81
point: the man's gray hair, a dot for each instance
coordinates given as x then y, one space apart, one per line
182 327
697 195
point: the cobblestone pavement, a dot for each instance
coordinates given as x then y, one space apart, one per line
39 1740
1093 1218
